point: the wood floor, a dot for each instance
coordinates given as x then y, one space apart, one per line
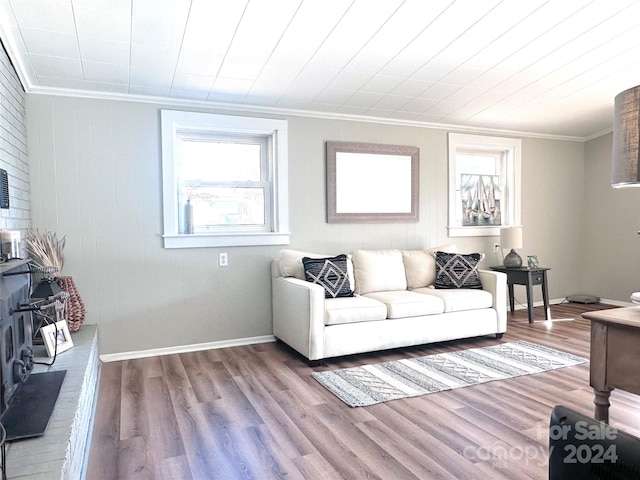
255 413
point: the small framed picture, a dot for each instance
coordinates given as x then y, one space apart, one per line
532 261
56 337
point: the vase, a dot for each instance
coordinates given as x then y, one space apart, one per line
75 306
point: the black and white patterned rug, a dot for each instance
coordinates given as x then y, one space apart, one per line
371 384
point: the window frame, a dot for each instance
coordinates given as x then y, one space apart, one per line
175 124
265 181
510 180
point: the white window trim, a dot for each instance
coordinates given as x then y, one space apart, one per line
461 141
173 120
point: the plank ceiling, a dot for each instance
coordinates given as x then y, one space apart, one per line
548 67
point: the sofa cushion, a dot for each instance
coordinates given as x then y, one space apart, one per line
378 271
354 309
454 270
420 265
402 303
330 273
459 299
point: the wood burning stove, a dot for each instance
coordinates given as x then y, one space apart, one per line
16 330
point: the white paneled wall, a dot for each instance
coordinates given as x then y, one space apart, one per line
96 178
13 148
96 175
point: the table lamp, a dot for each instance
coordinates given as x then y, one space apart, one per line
511 238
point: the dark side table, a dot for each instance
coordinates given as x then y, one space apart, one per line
527 277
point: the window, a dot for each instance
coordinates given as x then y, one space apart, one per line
484 184
224 180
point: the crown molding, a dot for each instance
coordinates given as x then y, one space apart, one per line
246 108
598 134
11 49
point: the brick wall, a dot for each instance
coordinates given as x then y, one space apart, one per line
13 148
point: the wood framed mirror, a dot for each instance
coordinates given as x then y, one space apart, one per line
372 183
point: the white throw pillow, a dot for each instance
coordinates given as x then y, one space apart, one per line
420 265
378 271
291 263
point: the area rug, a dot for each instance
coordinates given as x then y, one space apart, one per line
371 384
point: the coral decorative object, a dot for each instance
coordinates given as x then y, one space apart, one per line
75 306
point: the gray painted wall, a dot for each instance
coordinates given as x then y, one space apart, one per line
96 165
552 206
611 216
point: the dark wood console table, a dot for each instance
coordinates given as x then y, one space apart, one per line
527 277
615 336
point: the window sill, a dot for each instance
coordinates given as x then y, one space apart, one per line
480 231
225 240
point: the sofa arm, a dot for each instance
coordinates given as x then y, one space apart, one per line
496 284
298 315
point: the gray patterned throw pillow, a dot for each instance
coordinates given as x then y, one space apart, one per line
454 270
330 273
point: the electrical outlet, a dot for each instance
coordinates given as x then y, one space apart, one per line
496 247
223 260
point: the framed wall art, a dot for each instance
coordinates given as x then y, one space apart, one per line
372 183
56 337
480 195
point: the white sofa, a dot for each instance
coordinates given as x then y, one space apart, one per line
394 304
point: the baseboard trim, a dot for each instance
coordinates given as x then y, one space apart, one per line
154 352
617 303
558 301
523 306
238 342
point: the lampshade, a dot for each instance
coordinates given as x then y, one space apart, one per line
626 139
511 237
